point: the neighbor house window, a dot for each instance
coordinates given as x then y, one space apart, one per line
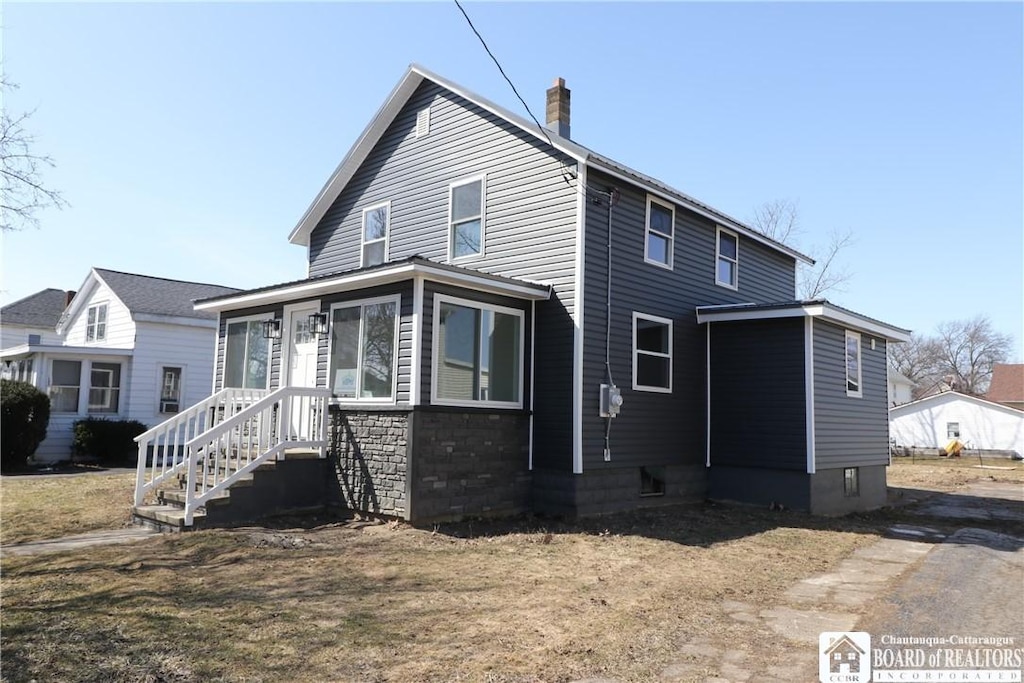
728 259
853 364
851 482
652 353
376 224
170 390
246 355
478 353
658 244
96 323
104 387
364 350
65 383
952 430
466 229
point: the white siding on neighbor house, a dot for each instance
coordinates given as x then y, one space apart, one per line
120 326
159 345
982 424
16 335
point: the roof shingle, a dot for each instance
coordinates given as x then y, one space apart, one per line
160 296
1007 384
42 309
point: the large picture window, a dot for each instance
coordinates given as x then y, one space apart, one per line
65 384
104 387
660 230
853 364
364 350
466 230
652 353
376 225
247 355
96 323
478 353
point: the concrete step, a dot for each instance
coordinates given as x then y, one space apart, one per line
177 497
166 518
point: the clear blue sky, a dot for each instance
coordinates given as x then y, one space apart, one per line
190 138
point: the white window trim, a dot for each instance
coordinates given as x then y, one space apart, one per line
482 179
396 299
106 321
160 367
859 392
270 345
479 305
719 257
387 234
657 319
648 230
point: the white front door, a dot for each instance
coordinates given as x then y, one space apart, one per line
300 367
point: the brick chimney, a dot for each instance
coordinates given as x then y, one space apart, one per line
558 108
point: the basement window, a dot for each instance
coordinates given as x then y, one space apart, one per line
851 482
652 481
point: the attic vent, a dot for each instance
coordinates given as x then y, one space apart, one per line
423 122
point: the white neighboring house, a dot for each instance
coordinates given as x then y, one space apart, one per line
934 421
127 347
901 389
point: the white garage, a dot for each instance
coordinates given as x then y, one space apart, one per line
932 422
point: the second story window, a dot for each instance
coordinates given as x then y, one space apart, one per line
659 237
728 260
853 374
376 226
466 219
96 323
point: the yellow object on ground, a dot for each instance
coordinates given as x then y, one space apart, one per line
954 447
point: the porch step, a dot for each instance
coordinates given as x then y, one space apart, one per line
176 497
166 518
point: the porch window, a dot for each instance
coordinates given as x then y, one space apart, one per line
727 270
478 353
658 245
247 355
170 389
65 383
376 226
364 350
104 387
853 371
652 353
96 323
466 216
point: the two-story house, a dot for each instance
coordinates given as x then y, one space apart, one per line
125 347
507 321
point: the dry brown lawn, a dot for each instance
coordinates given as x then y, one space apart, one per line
527 600
949 474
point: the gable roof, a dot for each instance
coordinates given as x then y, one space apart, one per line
401 93
149 297
947 396
1007 384
41 309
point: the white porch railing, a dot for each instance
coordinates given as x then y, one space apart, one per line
227 437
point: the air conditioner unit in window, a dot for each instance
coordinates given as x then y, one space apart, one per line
168 406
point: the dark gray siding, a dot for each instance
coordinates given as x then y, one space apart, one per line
848 431
529 234
657 428
758 396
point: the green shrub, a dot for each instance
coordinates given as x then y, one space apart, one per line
111 441
24 416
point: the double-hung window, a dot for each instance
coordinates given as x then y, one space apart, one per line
170 389
467 206
853 364
96 323
478 354
376 226
246 355
65 384
728 259
652 353
660 233
364 349
104 387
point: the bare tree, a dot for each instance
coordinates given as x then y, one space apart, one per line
959 357
23 192
780 220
